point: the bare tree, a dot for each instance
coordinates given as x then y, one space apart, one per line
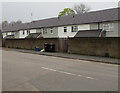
81 8
15 22
12 23
5 23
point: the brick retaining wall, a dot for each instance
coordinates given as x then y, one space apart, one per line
94 46
30 43
87 46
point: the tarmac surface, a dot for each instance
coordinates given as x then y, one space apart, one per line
31 72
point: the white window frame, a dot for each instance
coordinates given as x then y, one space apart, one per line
28 32
111 25
65 28
51 30
74 28
108 26
23 32
44 30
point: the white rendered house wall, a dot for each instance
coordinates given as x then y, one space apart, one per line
4 35
32 30
69 33
23 33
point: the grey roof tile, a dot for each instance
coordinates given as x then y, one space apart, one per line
91 33
90 17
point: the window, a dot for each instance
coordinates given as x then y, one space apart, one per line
65 29
41 31
12 33
44 31
51 30
74 28
105 27
23 32
28 31
108 27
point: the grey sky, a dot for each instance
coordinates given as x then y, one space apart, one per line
13 11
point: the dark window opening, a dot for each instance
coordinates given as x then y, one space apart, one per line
44 31
74 28
51 30
23 32
28 31
65 29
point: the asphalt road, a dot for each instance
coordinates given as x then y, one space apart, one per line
30 72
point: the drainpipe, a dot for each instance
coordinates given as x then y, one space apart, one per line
100 35
98 29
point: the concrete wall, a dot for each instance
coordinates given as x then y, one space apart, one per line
87 46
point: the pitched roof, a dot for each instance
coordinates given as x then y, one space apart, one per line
91 33
15 27
34 35
90 17
9 36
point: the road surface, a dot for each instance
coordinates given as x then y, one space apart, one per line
31 72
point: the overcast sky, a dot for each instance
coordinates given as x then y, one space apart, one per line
13 11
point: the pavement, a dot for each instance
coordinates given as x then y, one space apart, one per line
31 72
72 56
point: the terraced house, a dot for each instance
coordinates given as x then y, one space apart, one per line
102 23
